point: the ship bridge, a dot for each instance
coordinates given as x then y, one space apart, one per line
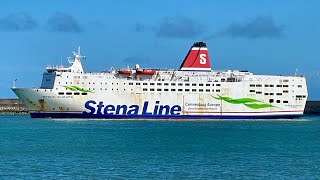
55 71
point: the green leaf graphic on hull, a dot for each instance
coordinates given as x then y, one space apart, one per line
76 88
249 102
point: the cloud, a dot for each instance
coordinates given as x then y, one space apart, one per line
62 22
18 22
259 27
178 27
139 27
135 59
173 27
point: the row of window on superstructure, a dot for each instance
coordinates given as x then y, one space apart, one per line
173 84
271 85
158 84
70 93
181 90
260 92
277 101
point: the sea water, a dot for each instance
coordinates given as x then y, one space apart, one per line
119 149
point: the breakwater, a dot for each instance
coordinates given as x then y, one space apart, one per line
12 106
15 106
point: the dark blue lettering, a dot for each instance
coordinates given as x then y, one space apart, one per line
145 109
89 107
175 110
162 107
133 110
109 109
100 106
123 107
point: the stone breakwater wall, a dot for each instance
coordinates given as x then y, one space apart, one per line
12 106
312 108
13 110
15 106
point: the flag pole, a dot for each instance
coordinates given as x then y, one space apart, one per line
14 83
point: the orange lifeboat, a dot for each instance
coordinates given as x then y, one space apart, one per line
146 72
125 71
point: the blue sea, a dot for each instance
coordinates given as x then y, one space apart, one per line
112 149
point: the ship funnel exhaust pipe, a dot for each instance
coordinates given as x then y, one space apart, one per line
197 58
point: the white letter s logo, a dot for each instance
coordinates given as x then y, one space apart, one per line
203 59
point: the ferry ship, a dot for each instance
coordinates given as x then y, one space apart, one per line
194 91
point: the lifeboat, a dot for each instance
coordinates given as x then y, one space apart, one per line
125 71
146 72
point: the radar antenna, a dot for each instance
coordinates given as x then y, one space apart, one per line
77 56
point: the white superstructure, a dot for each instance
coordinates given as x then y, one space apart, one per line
194 91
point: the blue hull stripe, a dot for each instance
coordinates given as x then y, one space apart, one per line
102 116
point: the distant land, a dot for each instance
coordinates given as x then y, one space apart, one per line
15 106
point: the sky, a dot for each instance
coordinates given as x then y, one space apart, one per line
265 37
